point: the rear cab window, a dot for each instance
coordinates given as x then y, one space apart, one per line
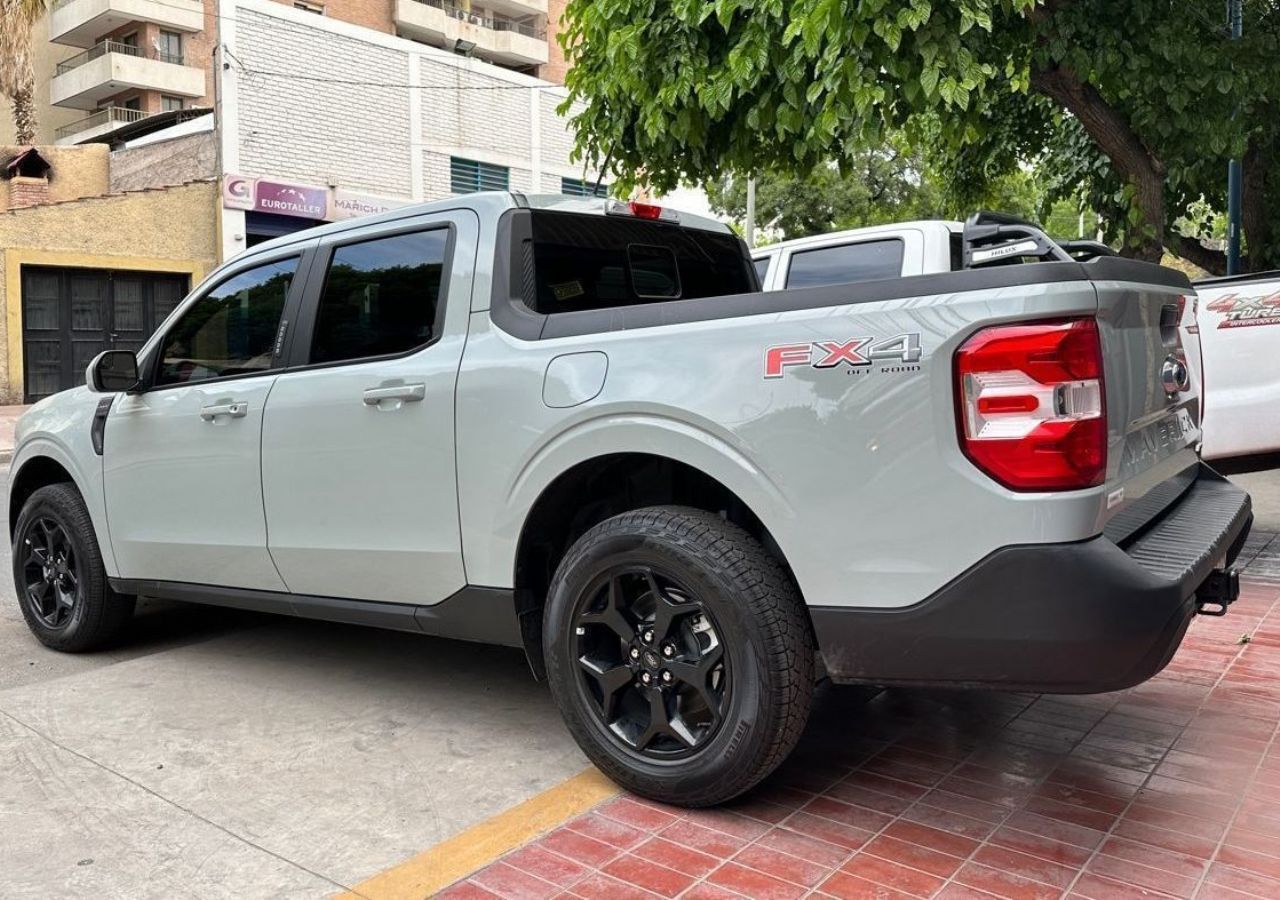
845 263
589 262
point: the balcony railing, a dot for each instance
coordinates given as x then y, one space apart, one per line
97 50
111 115
491 22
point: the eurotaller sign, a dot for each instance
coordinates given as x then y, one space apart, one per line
303 201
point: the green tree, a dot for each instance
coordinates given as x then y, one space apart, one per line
686 90
17 73
875 187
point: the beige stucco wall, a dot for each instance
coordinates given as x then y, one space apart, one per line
168 230
75 172
49 118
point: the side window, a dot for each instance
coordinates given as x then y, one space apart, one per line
380 297
231 330
866 261
762 267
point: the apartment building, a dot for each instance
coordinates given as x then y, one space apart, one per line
111 64
199 128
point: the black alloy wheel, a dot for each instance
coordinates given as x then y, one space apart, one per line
679 653
58 573
51 572
651 662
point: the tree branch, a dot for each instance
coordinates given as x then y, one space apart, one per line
1130 157
1212 261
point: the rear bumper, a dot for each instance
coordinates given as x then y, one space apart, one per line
1068 618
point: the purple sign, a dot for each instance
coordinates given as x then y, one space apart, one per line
292 200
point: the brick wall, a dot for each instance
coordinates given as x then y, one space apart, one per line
24 192
376 14
556 67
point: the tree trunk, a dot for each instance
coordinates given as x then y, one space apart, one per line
1132 160
1253 208
24 115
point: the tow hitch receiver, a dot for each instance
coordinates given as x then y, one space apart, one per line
1219 591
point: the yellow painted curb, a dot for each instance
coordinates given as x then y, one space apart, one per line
435 869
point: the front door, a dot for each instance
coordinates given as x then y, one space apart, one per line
70 315
181 463
358 468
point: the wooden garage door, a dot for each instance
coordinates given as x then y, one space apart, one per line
70 315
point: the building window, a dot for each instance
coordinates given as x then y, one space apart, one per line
466 176
169 47
577 187
317 8
169 104
132 103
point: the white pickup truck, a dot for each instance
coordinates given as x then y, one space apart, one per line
578 427
1239 319
1233 358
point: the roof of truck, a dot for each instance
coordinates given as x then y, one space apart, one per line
869 231
483 203
1224 280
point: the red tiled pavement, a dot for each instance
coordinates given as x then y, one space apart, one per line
1170 789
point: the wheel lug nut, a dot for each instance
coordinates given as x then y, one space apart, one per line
646 677
668 651
648 636
666 677
635 653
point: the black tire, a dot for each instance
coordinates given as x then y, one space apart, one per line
96 614
745 604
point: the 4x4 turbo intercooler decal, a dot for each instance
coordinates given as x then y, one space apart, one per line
1240 312
854 355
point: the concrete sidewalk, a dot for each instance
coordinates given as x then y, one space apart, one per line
8 420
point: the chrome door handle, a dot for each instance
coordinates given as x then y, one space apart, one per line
409 393
234 410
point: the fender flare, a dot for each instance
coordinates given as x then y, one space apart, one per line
48 447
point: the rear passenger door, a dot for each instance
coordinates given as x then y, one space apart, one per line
358 467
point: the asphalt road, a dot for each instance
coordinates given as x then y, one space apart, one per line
226 754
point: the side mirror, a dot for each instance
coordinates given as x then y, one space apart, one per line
111 371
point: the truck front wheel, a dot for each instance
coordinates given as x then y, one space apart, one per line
59 577
679 654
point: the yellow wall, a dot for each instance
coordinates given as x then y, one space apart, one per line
168 230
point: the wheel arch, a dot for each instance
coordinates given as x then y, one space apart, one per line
599 488
36 472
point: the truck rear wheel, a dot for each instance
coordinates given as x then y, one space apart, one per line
679 654
59 577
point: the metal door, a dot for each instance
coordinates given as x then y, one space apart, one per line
70 315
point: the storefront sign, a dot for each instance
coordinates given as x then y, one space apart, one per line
349 205
303 201
237 192
284 199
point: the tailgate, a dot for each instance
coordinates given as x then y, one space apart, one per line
1153 400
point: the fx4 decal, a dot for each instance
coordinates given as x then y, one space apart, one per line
855 352
1241 312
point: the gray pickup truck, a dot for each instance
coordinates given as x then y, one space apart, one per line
580 428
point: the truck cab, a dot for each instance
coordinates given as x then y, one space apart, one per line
861 254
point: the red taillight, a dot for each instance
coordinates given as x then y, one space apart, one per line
1031 404
645 210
